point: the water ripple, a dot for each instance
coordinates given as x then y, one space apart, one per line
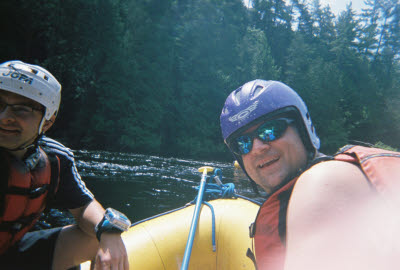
144 185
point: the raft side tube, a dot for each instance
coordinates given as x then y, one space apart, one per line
160 243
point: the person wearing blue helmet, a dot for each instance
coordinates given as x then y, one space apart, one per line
37 172
268 128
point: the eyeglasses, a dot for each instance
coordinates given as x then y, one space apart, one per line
267 132
20 110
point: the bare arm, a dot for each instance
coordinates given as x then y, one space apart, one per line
329 221
111 251
88 216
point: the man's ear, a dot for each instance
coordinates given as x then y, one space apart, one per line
48 123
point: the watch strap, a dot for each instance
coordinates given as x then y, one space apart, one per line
104 226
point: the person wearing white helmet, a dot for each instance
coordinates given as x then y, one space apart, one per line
36 85
321 212
37 172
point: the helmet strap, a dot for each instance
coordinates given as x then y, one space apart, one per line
41 125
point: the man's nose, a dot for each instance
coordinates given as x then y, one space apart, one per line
259 145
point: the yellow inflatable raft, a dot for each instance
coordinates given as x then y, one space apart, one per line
159 242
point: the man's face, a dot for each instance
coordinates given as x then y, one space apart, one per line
270 164
18 127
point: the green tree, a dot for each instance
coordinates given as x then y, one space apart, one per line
274 18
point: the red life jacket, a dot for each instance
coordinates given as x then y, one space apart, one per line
269 229
25 196
381 167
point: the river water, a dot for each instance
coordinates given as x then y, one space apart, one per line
142 185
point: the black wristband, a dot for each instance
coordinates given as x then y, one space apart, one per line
100 228
113 222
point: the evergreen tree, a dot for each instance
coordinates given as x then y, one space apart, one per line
369 29
151 76
274 17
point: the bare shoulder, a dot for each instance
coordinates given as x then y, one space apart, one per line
333 176
331 214
325 190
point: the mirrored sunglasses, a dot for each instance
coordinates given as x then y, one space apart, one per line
266 132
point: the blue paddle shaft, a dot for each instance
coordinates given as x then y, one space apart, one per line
193 226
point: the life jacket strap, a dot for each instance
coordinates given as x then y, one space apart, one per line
250 255
32 193
17 225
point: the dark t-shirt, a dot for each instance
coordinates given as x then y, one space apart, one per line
72 192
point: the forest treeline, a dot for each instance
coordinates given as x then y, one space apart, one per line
151 76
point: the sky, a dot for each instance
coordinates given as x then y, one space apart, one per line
338 6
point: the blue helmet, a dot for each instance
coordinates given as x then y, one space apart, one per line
258 100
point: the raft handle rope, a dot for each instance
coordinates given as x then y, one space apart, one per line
218 190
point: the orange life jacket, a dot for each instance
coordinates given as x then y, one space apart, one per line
382 169
25 196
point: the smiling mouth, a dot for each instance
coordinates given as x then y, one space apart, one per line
9 131
269 162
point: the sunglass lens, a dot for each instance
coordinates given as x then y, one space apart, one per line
267 133
244 144
271 131
3 105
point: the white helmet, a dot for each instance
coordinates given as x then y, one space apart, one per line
33 82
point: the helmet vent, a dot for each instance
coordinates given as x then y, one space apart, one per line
46 78
258 90
236 95
34 71
308 116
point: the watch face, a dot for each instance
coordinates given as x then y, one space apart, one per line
117 219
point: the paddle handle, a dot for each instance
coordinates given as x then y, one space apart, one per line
195 219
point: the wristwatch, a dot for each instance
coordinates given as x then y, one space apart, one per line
113 221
